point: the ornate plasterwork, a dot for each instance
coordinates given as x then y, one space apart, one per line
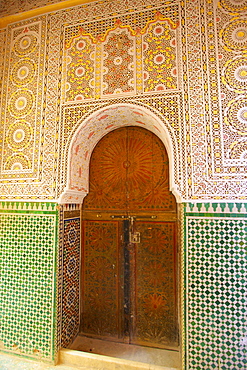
94 128
209 174
203 49
18 6
121 60
24 135
232 29
2 43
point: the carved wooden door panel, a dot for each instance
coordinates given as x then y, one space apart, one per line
154 302
129 263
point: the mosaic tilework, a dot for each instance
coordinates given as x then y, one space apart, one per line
27 268
230 208
71 279
216 322
59 283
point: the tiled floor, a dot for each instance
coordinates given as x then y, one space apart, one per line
8 362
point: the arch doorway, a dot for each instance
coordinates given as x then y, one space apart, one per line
129 243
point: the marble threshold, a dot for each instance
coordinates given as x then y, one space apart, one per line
110 355
101 362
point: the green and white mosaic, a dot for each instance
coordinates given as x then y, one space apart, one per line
215 289
28 241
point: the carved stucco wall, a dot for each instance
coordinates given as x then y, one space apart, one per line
18 6
183 63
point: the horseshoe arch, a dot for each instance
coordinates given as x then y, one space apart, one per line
93 129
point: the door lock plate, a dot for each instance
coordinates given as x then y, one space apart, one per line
135 237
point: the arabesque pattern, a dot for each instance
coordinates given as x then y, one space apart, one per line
233 68
79 69
159 58
22 155
118 63
21 135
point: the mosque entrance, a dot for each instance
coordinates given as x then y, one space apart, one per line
129 243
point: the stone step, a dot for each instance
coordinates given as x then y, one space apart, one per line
101 362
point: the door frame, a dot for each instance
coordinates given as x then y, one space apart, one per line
178 245
77 151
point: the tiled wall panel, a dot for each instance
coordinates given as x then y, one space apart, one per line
28 234
70 275
215 287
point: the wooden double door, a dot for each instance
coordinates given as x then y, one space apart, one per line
129 243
